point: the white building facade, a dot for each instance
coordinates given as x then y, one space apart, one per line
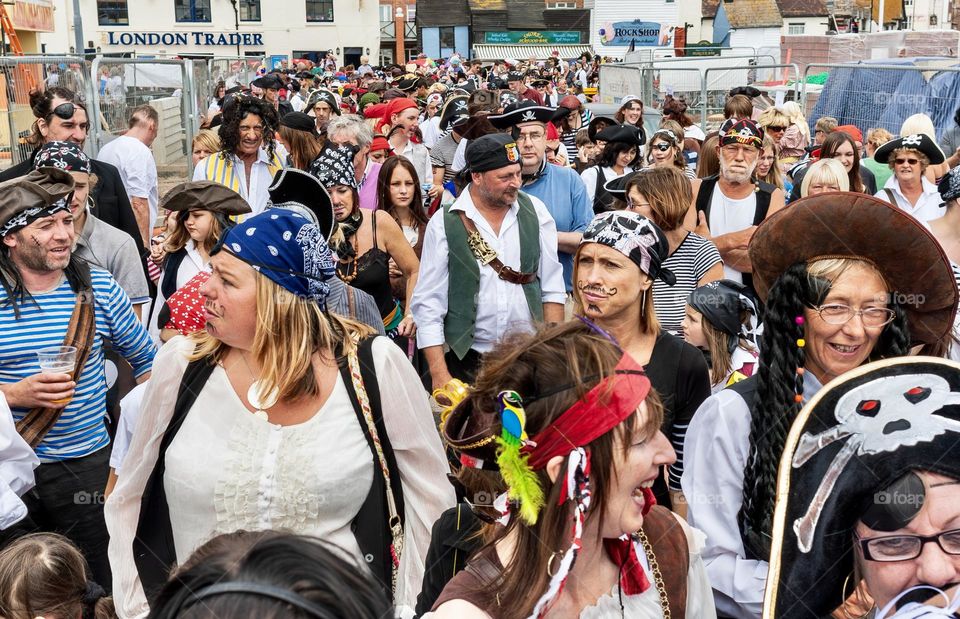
193 28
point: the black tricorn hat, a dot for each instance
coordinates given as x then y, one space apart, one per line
845 456
920 142
524 111
303 193
270 80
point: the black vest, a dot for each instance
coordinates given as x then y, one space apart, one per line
763 192
153 549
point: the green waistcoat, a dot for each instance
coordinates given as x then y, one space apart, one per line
463 275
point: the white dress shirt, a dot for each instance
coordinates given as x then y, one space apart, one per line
715 454
501 306
419 156
17 462
929 205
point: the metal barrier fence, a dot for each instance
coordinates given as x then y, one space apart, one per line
166 85
704 88
20 75
878 95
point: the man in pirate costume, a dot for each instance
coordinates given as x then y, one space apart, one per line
559 187
50 298
732 204
272 85
493 266
868 498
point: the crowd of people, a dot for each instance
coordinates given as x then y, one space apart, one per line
438 341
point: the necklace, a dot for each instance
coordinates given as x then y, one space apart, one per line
351 263
261 405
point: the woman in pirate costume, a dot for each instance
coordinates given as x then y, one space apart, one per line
281 415
571 423
863 281
868 498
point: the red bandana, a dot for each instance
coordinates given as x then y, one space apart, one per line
603 408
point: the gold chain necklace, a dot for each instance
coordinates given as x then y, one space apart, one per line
657 576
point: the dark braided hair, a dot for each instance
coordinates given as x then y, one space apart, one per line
778 383
233 115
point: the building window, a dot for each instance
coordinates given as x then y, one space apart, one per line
562 5
112 13
249 10
192 10
795 28
386 13
448 37
319 10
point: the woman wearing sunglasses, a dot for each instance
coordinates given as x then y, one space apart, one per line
876 534
665 149
908 188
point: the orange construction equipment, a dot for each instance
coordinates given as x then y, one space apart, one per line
29 78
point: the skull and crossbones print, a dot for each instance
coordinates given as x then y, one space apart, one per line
877 417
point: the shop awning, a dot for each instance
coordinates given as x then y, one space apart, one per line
523 52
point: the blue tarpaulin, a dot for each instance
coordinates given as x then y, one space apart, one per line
871 97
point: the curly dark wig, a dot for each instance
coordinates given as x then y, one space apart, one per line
233 115
778 383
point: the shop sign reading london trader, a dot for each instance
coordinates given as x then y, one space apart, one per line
184 38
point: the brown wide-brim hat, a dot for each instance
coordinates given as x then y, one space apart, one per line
41 188
855 225
205 196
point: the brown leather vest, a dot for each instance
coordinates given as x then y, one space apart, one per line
477 582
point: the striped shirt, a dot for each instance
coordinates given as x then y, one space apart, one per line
80 430
230 171
689 262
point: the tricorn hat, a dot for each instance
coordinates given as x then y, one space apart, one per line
855 225
204 196
624 134
40 193
852 455
524 111
594 127
920 142
303 193
454 110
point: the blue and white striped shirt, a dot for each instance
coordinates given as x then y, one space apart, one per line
80 430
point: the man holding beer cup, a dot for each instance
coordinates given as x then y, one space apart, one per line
56 314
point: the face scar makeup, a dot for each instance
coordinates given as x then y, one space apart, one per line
38 244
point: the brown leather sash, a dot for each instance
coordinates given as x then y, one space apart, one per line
489 256
672 550
36 423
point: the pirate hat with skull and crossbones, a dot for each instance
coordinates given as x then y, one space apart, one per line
523 111
849 449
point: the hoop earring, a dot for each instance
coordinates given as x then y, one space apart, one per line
844 597
552 573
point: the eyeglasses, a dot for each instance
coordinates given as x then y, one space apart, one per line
776 128
533 137
636 205
838 314
663 147
903 160
907 547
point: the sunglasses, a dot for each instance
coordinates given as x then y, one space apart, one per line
776 128
662 147
910 160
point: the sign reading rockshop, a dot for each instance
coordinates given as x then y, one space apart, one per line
172 39
639 33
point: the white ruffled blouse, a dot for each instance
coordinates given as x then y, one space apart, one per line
228 469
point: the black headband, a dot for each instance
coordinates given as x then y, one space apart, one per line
267 591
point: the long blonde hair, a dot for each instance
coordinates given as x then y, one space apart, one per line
179 238
796 117
290 328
